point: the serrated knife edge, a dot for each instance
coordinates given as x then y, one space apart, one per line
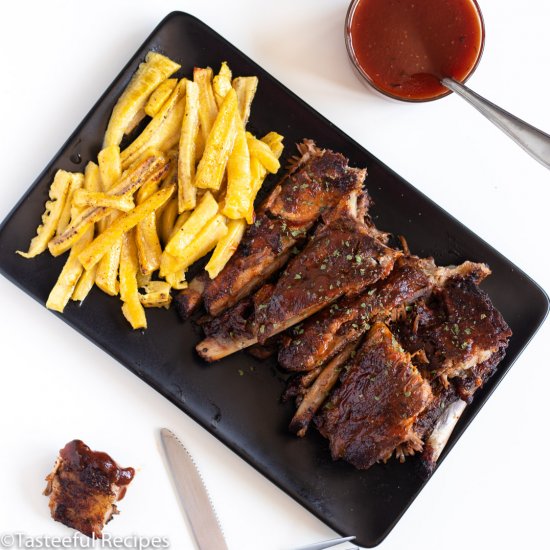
192 493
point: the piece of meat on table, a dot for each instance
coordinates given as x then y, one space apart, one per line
84 486
316 184
373 410
342 258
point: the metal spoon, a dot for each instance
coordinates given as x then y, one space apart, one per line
530 139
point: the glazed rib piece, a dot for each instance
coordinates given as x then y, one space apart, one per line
341 259
325 334
457 329
374 409
84 486
317 183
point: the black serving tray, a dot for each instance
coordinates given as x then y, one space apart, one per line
238 399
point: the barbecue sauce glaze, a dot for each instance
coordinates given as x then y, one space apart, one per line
406 46
78 456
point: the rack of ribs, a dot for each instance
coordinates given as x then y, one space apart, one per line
319 181
341 259
449 342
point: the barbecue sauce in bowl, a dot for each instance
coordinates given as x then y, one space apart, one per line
404 47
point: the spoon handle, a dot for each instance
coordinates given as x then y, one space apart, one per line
530 139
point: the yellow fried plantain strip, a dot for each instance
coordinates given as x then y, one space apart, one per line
82 197
246 87
106 277
159 96
157 294
149 75
258 171
239 191
263 153
221 83
131 308
69 210
69 276
92 184
101 244
208 110
205 211
218 146
147 241
151 167
177 280
226 247
187 193
205 241
54 207
110 167
163 131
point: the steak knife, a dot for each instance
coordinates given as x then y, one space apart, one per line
192 494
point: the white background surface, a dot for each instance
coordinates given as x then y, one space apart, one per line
57 59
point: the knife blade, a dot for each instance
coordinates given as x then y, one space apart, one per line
192 494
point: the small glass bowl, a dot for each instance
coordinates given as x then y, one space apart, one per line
367 80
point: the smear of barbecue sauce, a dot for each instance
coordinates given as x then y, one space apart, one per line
406 46
77 455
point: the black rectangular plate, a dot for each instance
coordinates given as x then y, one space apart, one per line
238 399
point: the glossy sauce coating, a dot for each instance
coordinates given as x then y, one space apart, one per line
406 46
77 455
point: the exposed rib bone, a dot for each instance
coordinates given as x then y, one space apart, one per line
441 433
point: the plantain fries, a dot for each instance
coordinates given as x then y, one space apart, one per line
110 167
263 153
258 171
58 194
167 220
152 167
131 308
218 145
205 211
69 211
246 87
221 83
162 132
187 182
208 109
177 280
147 241
92 184
226 247
82 197
101 244
92 177
187 193
149 75
68 278
239 191
205 241
157 294
180 220
107 268
159 96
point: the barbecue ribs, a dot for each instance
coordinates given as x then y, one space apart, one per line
374 409
341 259
84 486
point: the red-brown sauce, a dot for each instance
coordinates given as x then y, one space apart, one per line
77 455
406 46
